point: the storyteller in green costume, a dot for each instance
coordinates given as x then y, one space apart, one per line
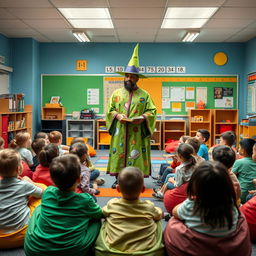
130 120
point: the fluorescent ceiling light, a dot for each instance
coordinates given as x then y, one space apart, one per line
81 36
190 12
190 36
103 23
183 23
85 13
88 17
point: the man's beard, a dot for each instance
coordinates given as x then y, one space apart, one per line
129 85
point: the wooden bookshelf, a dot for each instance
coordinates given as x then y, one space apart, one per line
157 135
173 129
103 137
13 122
200 119
224 120
53 113
247 131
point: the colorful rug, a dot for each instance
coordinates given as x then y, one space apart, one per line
110 192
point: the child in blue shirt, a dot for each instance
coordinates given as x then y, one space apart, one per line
203 136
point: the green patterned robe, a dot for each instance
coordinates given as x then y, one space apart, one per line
130 143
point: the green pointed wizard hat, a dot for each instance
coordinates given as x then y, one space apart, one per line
133 65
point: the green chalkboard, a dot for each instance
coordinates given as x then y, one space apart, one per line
72 90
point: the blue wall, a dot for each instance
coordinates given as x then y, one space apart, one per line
5 49
30 59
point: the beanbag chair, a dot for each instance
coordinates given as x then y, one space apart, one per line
174 197
171 147
103 249
182 241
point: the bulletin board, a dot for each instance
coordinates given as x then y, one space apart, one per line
73 91
251 93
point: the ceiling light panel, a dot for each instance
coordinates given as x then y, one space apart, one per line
190 12
85 13
183 23
92 23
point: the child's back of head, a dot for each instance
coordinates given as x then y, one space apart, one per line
131 182
37 145
79 149
185 153
55 137
224 155
65 171
246 147
194 142
77 140
9 162
1 143
212 190
47 154
228 138
21 140
41 135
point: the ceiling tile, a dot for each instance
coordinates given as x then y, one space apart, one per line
243 36
137 13
79 3
170 35
100 32
137 3
138 35
134 24
15 24
239 3
48 23
35 13
195 3
227 23
215 35
252 25
59 35
105 39
4 14
25 3
25 32
235 13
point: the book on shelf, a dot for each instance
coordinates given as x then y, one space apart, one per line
16 101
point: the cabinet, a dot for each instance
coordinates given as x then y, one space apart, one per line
54 125
103 137
173 130
224 120
200 119
13 122
81 128
53 113
156 136
247 128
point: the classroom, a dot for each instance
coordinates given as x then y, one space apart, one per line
153 92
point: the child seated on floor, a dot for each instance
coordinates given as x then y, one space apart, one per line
1 143
245 168
21 143
80 150
227 157
66 223
94 173
42 172
130 224
55 137
203 136
15 206
42 135
183 172
37 146
208 221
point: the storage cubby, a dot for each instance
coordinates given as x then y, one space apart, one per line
200 119
173 129
103 137
53 113
54 125
81 128
224 120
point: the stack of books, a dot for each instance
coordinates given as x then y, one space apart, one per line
15 101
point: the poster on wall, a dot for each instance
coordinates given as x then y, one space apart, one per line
166 103
93 96
251 94
227 92
201 94
225 102
177 93
190 93
176 106
218 92
165 92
